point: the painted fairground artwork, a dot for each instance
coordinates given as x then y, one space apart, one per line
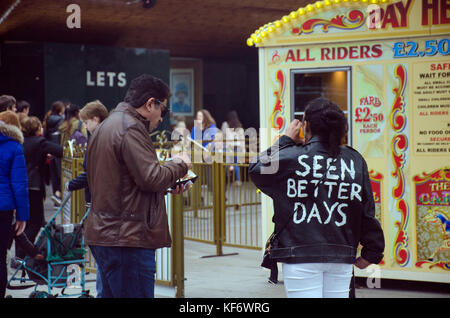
433 219
375 180
386 64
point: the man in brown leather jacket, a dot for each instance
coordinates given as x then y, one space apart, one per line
128 219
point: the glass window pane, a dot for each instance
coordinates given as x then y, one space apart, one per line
308 85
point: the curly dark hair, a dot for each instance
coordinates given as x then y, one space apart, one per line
144 87
327 121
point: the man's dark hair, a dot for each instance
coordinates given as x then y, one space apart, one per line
21 105
6 102
144 87
57 107
328 121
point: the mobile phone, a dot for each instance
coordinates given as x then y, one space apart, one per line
190 177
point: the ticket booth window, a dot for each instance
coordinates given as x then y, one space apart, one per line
331 83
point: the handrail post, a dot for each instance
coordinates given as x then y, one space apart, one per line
221 208
196 189
216 209
178 244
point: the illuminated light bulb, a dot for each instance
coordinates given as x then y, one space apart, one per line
271 29
327 2
257 40
249 42
374 1
301 11
336 1
263 34
278 24
285 19
310 8
318 4
293 15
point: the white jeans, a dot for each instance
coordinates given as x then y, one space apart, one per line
317 280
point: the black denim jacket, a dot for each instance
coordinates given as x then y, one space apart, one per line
327 222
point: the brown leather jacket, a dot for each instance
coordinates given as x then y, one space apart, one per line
128 184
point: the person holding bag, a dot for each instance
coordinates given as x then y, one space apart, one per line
36 148
323 204
51 123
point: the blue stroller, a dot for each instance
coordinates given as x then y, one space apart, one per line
64 264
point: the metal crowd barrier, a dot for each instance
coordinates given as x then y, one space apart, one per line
219 209
223 207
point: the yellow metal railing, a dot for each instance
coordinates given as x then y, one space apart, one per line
220 209
242 208
198 206
72 166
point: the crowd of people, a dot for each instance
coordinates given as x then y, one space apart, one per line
31 159
125 185
31 152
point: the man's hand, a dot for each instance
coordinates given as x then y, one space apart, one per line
183 157
361 263
180 188
293 131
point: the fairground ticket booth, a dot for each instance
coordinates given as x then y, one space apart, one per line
387 65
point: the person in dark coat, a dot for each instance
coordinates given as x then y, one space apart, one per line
13 187
53 120
36 148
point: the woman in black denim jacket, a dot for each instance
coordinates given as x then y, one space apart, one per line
323 204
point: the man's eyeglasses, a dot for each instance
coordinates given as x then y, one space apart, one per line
164 110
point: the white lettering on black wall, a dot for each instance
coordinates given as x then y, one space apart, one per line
106 79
